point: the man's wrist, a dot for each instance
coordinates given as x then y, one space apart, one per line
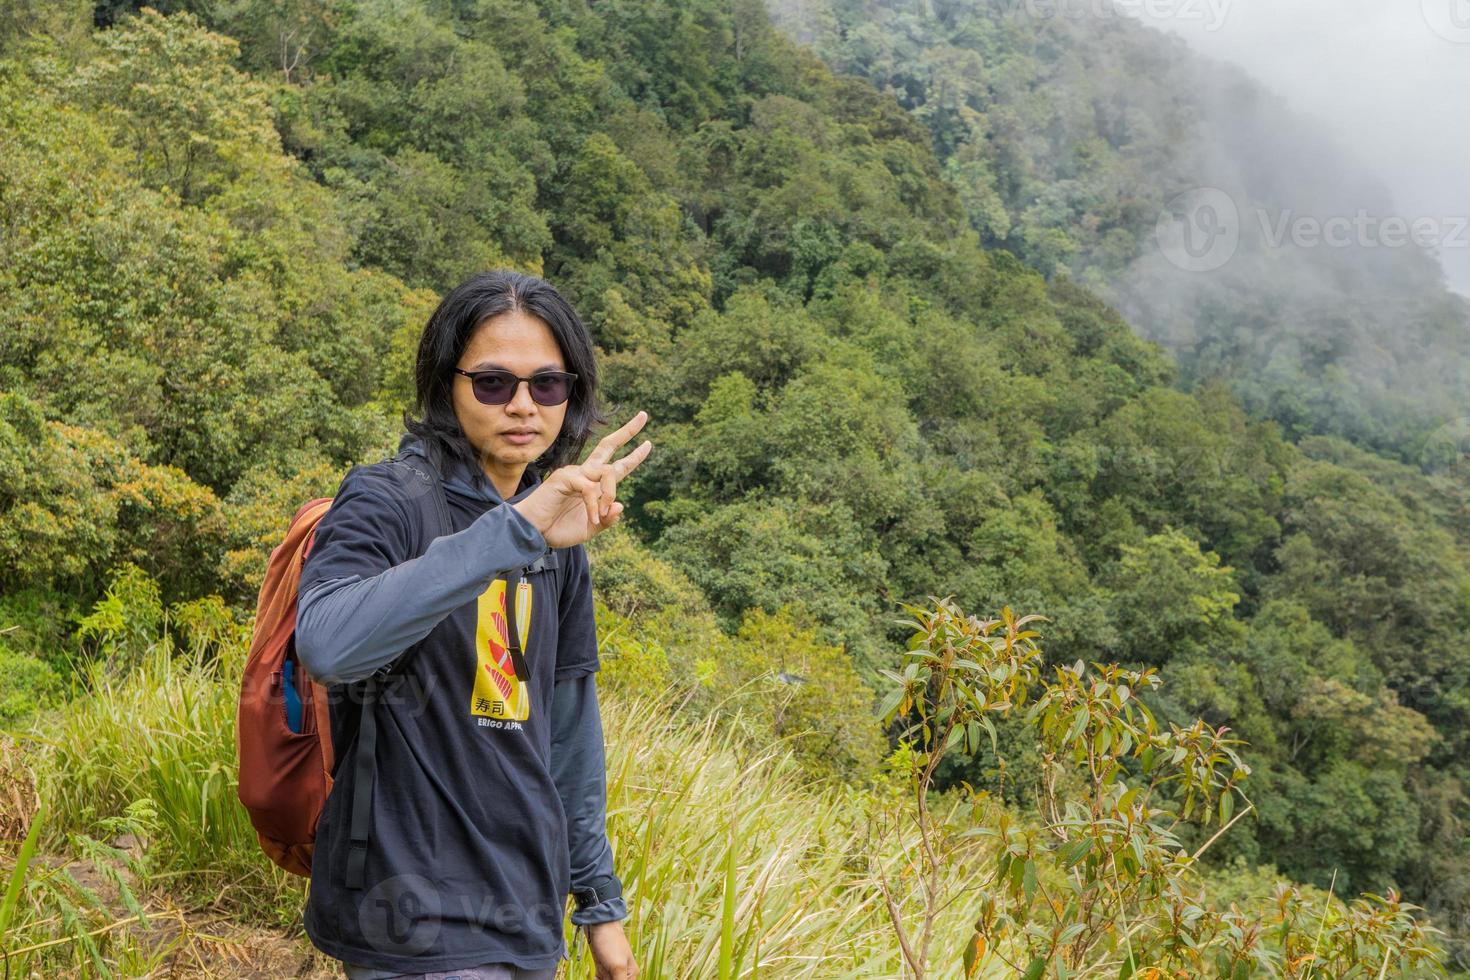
530 522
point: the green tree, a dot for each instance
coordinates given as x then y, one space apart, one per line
1168 599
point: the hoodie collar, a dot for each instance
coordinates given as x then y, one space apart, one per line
461 481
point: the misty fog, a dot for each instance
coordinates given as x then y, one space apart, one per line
1389 80
1304 161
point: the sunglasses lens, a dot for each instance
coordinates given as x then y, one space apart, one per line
494 387
498 387
550 389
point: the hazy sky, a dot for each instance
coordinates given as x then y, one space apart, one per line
1390 77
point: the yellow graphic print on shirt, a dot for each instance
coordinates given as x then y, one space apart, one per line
502 680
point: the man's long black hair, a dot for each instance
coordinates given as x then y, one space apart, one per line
459 314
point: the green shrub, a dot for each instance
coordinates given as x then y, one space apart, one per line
27 684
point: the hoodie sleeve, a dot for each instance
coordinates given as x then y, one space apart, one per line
578 762
364 598
579 769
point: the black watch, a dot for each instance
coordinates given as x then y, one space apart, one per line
597 891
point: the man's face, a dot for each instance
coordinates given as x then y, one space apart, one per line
524 345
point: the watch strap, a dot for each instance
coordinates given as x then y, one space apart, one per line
597 891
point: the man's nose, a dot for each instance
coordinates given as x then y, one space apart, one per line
522 401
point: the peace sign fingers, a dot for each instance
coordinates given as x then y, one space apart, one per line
610 443
601 467
616 471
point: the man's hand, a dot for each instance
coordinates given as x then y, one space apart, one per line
575 502
610 951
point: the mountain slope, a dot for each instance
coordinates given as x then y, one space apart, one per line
1222 224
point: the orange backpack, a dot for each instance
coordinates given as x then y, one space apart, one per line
283 729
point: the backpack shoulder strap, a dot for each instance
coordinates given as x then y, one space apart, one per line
420 483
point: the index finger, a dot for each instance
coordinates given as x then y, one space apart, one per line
610 443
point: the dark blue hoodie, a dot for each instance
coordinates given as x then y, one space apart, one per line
490 798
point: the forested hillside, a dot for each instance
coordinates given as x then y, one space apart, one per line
223 225
1283 270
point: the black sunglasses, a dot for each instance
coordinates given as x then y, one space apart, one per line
498 387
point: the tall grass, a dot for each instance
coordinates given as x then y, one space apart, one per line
735 862
164 734
735 859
